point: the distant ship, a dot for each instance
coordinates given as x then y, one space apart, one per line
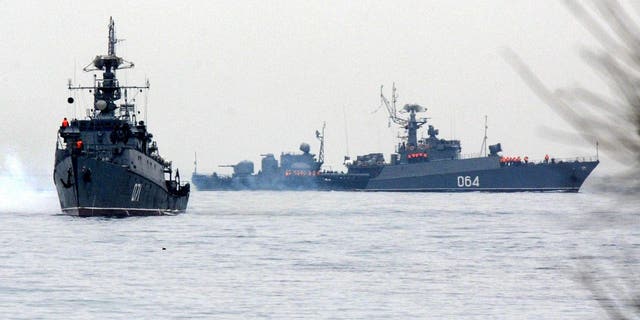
434 164
108 163
294 171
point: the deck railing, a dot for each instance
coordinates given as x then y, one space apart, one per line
551 159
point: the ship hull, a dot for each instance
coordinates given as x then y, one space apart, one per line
482 174
204 182
90 187
321 181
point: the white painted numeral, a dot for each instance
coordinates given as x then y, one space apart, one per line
135 194
467 181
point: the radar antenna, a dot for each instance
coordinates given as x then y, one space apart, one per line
320 136
110 60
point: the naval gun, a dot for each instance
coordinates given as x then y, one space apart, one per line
241 169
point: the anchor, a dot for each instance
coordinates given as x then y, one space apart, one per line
69 183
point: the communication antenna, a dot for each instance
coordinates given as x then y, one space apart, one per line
146 101
75 63
346 133
195 162
71 99
453 123
483 149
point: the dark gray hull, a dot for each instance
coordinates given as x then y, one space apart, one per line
111 190
481 174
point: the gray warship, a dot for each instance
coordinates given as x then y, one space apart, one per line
434 164
294 171
108 164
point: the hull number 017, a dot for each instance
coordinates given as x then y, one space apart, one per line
467 181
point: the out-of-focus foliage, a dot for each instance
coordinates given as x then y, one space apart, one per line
612 119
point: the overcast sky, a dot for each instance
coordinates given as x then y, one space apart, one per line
233 79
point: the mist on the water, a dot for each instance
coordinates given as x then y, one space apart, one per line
20 190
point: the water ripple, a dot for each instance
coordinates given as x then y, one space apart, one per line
300 255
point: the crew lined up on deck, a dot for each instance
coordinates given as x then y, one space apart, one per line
512 160
417 155
508 161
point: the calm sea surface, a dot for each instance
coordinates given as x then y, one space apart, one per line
324 255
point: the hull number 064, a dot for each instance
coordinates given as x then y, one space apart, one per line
467 181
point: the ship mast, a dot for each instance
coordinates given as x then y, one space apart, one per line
412 124
107 91
483 148
111 46
391 107
195 162
320 136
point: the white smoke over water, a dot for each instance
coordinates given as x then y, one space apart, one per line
19 191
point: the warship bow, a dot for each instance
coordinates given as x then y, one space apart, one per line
108 163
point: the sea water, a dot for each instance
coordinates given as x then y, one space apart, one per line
325 255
